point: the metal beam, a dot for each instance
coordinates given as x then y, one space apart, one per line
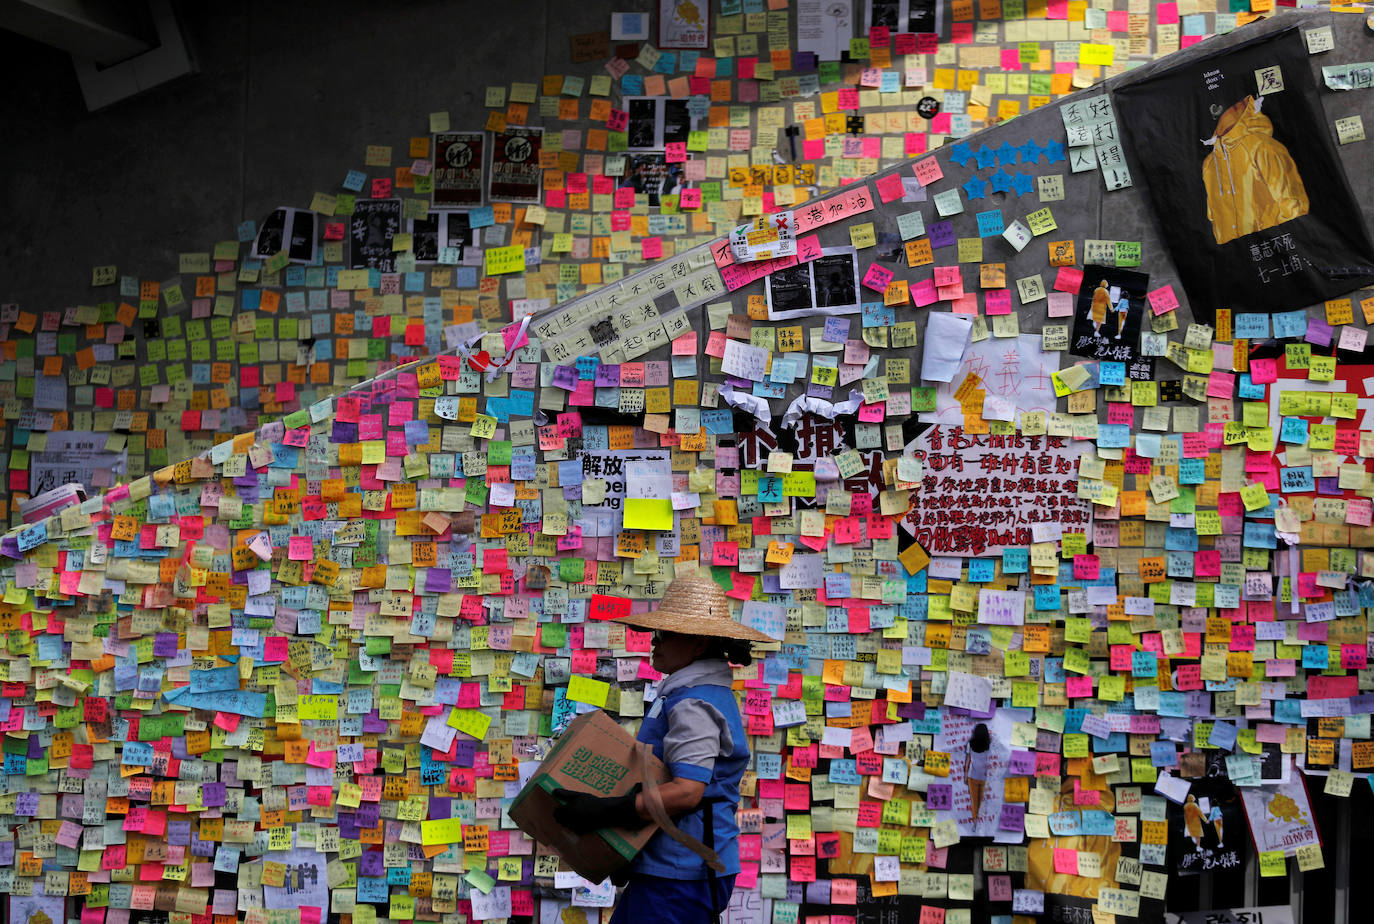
104 31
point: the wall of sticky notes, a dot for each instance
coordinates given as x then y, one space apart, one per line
1068 577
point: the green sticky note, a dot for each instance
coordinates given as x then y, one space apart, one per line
571 570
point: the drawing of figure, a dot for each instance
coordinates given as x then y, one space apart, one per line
1214 816
1192 821
1123 307
976 765
1251 180
1102 300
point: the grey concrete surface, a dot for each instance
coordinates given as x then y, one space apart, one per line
286 98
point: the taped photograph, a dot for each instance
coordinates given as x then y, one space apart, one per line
828 285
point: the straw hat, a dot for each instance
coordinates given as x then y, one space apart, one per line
695 606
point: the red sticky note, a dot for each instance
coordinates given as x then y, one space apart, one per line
1068 280
889 187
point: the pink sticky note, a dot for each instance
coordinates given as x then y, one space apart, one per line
1011 59
808 248
1163 300
1166 14
301 548
997 301
651 248
689 199
928 171
877 278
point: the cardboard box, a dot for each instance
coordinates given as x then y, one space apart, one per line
594 755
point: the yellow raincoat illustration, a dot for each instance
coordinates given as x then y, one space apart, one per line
1252 182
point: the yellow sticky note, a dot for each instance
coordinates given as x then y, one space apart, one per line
648 513
441 831
1092 54
586 690
472 722
505 260
1272 863
318 706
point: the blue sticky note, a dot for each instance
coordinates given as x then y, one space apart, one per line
1296 479
1290 323
1109 373
1293 430
1251 326
1223 735
981 570
1015 561
990 223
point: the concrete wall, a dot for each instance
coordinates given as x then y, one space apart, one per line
286 98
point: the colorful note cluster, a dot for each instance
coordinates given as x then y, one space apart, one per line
1066 574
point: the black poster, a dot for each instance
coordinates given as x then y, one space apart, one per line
1208 833
459 161
516 175
375 222
1107 318
1247 189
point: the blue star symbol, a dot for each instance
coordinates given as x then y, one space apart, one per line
1022 184
1006 154
1030 152
986 157
960 153
1001 181
1054 152
974 188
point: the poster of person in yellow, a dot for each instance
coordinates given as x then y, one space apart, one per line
1252 201
1251 180
683 23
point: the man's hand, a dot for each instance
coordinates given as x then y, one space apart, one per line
582 812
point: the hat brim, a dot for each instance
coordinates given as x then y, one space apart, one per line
687 624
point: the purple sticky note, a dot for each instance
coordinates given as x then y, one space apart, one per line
940 796
1013 817
1022 763
942 234
565 377
165 645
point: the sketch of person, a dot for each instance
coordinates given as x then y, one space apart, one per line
976 765
1251 180
1102 300
1122 309
1214 816
1192 821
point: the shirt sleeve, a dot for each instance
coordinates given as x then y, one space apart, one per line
697 734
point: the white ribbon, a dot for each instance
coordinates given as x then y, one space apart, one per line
807 404
752 404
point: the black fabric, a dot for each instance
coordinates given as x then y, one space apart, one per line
1167 118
